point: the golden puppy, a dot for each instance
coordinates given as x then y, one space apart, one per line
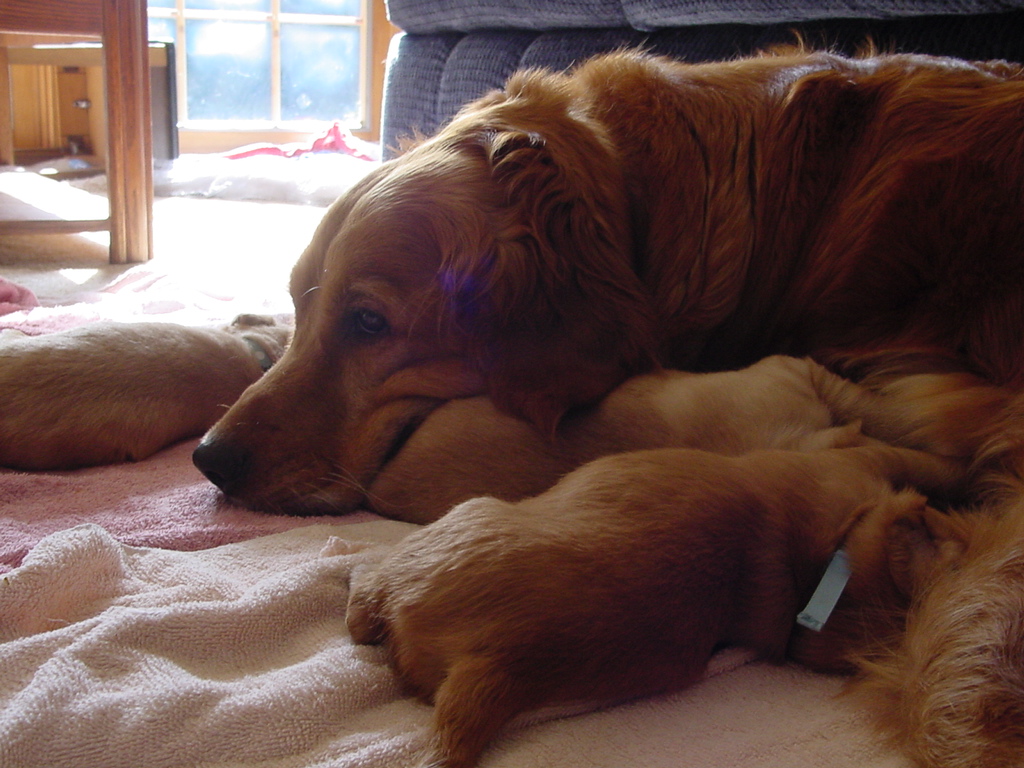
624 578
109 392
573 230
468 448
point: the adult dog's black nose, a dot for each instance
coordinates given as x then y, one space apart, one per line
224 464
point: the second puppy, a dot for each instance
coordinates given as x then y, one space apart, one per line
468 448
110 392
624 578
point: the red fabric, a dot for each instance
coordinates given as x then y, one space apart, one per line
334 139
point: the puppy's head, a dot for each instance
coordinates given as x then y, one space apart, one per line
896 550
493 259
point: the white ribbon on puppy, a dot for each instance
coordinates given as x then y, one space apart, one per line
262 356
829 590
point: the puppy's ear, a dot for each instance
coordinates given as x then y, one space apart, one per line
921 542
565 316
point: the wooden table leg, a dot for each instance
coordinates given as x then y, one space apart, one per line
129 130
6 111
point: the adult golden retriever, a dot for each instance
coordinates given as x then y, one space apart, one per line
576 229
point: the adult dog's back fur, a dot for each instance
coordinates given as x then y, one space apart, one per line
952 694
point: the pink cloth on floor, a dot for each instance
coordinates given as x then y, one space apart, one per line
160 502
14 297
334 139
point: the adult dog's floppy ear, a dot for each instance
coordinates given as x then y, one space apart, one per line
564 317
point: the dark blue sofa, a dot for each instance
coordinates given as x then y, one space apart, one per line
452 51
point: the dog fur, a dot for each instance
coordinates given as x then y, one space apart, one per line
110 392
951 695
468 448
623 579
576 229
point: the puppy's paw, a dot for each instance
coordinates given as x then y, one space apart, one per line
845 436
252 321
363 616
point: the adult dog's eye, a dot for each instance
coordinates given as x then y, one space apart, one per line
369 323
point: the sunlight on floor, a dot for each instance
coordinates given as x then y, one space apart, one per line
217 255
78 276
229 250
229 247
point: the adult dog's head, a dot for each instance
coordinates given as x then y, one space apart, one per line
494 258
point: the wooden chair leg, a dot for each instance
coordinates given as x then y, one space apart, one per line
6 111
130 141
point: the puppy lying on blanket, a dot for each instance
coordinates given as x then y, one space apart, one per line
110 392
624 578
469 448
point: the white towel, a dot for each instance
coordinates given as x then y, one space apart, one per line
112 655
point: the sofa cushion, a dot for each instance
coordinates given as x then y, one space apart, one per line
660 14
430 16
431 75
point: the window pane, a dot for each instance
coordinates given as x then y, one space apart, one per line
160 3
319 72
228 70
161 29
229 5
333 7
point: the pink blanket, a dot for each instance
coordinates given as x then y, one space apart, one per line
144 620
14 297
160 502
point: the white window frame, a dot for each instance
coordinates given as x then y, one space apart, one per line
179 14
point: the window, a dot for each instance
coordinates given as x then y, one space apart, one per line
266 63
